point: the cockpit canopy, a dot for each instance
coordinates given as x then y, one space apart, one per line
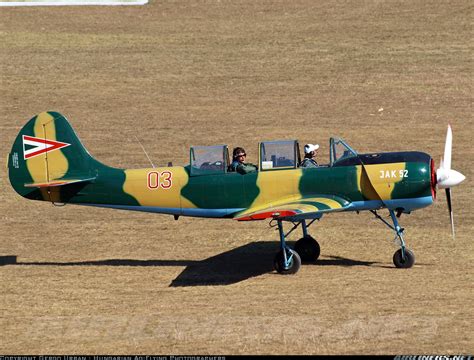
209 160
283 154
273 155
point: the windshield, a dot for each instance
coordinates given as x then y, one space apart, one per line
340 150
278 154
206 160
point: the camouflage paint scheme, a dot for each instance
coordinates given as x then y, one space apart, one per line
67 173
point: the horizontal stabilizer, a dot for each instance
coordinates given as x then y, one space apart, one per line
60 182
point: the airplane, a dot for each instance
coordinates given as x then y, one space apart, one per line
48 162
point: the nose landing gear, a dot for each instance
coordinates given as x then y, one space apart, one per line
403 258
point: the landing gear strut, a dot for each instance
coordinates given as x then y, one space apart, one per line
288 261
403 258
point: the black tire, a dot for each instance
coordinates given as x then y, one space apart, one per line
279 262
404 263
308 249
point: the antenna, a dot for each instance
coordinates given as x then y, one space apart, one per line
151 162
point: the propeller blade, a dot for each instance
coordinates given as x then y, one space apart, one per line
450 208
448 147
445 176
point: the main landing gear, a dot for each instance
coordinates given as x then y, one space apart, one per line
288 261
403 258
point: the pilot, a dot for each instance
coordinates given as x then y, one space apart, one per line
310 152
238 162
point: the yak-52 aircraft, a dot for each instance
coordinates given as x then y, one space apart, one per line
48 162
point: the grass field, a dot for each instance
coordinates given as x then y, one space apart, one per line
383 75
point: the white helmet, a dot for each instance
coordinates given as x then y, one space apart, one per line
310 147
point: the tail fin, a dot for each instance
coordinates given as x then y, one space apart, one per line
47 153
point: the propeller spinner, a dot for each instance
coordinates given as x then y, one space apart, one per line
447 177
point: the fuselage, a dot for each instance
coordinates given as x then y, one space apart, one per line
48 162
401 181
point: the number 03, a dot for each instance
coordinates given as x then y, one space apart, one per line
157 180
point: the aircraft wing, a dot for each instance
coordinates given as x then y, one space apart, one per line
295 209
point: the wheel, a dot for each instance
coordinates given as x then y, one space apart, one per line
404 263
293 266
308 249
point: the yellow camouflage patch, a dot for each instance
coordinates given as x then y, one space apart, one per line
277 185
50 165
378 180
158 187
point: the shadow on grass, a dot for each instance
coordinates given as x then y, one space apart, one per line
227 268
341 261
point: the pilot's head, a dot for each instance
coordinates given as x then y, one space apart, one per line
310 150
238 154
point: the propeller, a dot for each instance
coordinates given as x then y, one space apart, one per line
447 177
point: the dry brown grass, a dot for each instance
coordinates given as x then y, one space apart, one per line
183 73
